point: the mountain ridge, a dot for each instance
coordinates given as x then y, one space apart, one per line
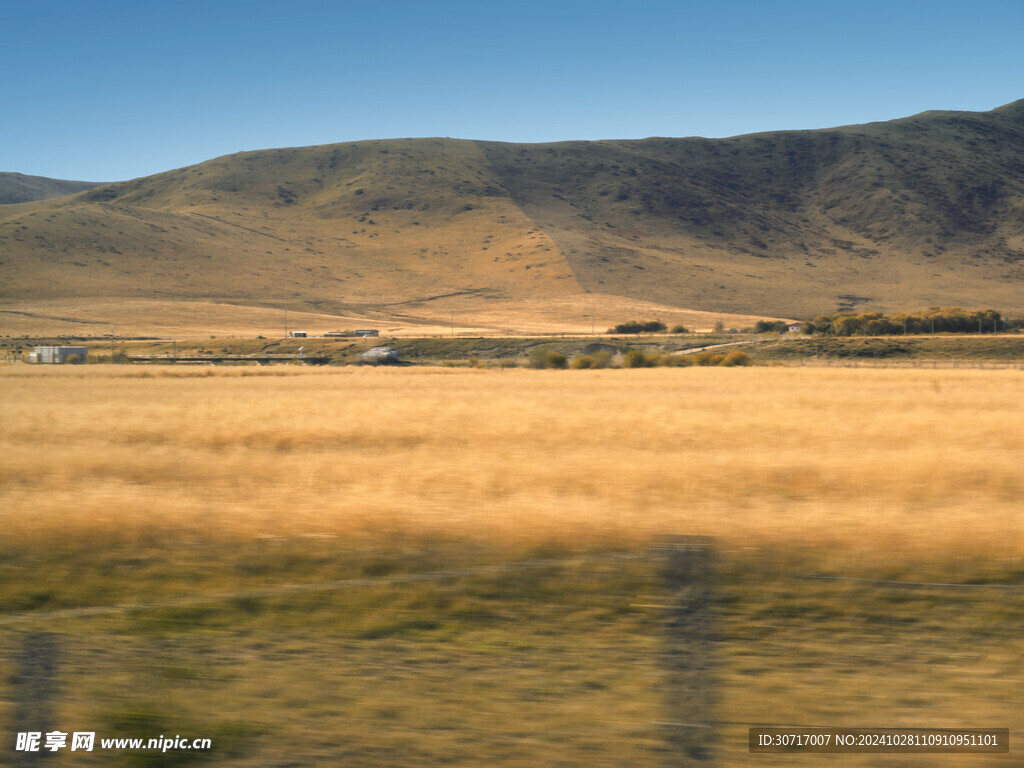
913 212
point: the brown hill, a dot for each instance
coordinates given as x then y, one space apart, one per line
19 188
903 214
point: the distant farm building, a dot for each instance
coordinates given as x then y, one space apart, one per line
298 334
363 332
58 355
794 328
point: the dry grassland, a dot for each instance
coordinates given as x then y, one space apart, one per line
868 465
121 485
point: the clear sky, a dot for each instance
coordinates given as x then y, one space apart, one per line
109 90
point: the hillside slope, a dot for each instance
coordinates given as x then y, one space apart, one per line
913 212
19 188
903 214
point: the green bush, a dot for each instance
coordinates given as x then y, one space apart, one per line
557 360
736 357
639 326
583 361
679 329
548 358
708 358
676 361
635 358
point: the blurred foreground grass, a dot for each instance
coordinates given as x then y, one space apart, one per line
559 664
206 496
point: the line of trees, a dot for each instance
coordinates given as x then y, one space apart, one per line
932 320
646 326
639 326
771 326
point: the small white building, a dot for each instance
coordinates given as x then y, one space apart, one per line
297 334
58 355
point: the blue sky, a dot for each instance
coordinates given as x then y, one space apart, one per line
113 90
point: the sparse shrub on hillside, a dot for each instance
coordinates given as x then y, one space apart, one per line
736 357
635 358
557 360
708 358
679 329
548 358
639 326
581 362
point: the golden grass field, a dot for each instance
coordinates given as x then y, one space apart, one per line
856 463
129 486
